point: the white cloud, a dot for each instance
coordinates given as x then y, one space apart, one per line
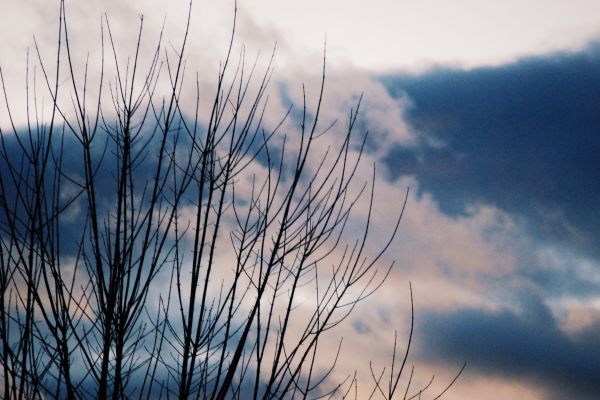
386 34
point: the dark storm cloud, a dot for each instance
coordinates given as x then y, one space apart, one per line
67 149
528 347
524 137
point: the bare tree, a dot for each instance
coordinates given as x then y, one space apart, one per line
144 254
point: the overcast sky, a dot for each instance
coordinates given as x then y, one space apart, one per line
488 110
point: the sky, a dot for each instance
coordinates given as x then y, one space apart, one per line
487 111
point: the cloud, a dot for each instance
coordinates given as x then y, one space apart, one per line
389 34
521 137
526 346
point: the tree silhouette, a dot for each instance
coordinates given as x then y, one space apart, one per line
144 254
